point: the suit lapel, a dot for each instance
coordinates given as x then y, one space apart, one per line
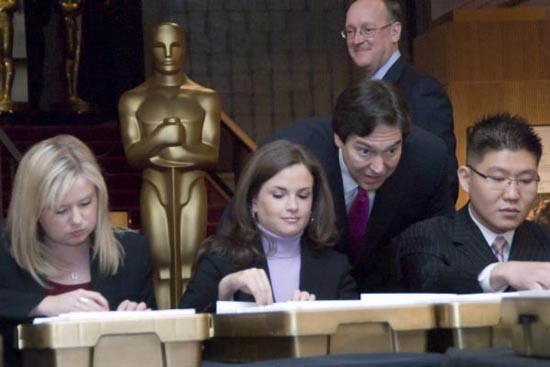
396 70
468 239
523 245
310 275
383 214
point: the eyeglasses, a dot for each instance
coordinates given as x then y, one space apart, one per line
502 183
365 32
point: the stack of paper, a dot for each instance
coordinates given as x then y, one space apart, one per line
114 315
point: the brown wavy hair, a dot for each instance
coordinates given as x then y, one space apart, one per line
240 236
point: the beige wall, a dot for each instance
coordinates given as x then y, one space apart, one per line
491 60
441 7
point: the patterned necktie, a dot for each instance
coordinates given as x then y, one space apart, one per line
499 244
358 217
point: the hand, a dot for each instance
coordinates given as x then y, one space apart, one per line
127 305
521 275
252 281
302 296
171 131
79 300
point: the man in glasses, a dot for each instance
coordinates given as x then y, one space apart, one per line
372 32
488 246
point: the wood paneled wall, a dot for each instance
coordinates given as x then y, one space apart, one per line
490 60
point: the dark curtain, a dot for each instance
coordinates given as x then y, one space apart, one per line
112 52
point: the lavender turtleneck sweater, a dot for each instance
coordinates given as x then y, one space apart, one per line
284 256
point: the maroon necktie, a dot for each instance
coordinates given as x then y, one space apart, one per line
358 217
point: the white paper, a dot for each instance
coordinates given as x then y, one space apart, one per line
427 298
368 300
405 298
229 307
528 294
114 315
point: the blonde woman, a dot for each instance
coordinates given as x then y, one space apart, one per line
58 250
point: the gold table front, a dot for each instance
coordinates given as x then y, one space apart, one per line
529 319
473 325
167 341
269 335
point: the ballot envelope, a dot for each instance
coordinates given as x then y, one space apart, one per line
145 338
299 329
528 316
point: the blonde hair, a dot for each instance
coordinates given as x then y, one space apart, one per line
45 174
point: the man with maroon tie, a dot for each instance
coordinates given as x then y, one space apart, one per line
385 174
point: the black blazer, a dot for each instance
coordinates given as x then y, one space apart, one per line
430 108
447 255
19 293
323 272
417 190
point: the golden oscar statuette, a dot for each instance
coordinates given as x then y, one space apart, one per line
7 7
71 15
171 128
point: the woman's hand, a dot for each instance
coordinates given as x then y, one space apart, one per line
79 300
252 281
299 295
127 305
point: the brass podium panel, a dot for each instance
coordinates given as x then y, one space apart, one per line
528 316
473 325
269 335
161 341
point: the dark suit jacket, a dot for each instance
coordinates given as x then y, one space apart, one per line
19 293
324 272
430 108
417 190
447 255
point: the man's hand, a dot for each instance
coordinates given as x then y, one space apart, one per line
521 275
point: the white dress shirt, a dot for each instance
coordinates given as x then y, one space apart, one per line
484 278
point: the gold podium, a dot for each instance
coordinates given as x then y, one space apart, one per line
302 333
473 325
151 339
529 319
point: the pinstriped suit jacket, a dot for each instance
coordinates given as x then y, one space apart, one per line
446 255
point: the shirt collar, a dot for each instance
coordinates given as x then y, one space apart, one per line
488 234
380 73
